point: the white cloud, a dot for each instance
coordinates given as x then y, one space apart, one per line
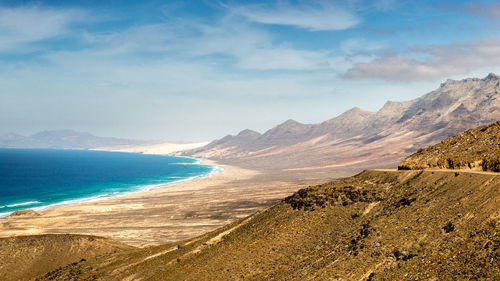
322 16
248 47
24 25
435 63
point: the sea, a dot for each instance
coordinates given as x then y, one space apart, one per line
41 179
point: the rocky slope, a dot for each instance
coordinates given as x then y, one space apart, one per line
26 257
377 225
359 139
63 139
476 149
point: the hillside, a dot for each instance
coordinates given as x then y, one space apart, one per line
378 225
476 149
63 139
358 139
26 257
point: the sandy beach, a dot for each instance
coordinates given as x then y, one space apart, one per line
165 214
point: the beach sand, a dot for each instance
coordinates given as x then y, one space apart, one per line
166 214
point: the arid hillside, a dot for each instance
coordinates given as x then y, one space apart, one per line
358 139
378 225
476 149
26 257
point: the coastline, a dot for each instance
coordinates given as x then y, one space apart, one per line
105 196
161 215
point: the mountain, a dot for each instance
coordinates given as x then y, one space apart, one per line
475 149
62 139
378 225
359 139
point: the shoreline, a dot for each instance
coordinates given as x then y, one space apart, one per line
162 215
117 217
105 196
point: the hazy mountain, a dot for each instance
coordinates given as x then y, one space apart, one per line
367 139
63 139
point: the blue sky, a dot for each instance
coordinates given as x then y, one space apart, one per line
197 70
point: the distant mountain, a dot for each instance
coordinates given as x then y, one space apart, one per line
364 139
62 139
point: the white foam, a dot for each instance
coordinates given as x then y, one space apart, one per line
215 170
73 201
19 204
2 215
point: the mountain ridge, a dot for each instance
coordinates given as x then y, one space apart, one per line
394 131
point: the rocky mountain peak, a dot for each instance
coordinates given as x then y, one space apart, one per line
290 125
352 115
492 76
248 133
291 122
392 107
489 77
356 111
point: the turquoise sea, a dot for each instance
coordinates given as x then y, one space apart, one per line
40 179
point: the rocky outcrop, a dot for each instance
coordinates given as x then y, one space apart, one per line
476 149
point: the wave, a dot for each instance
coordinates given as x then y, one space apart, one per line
73 201
2 215
213 171
19 204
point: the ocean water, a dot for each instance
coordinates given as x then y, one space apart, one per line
40 179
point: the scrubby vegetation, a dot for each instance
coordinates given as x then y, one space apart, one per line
406 225
476 149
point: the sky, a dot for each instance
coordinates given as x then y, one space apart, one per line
198 70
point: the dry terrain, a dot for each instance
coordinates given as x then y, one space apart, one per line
378 225
26 257
476 149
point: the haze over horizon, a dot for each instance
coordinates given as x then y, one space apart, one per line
200 70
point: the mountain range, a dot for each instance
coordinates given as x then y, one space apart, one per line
358 139
435 224
63 139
